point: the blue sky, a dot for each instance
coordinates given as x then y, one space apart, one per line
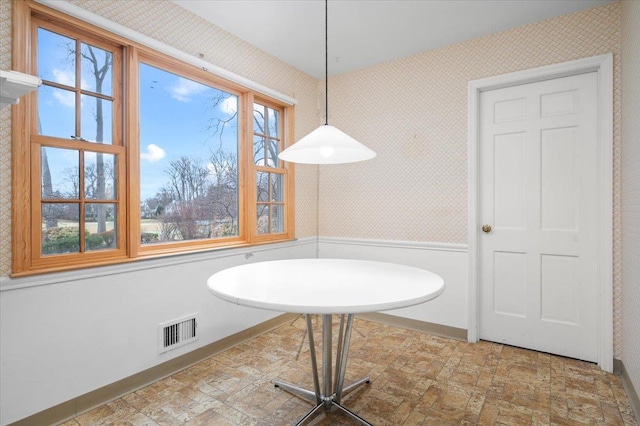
175 116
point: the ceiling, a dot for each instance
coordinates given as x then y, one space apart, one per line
366 32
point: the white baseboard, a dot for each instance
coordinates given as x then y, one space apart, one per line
632 393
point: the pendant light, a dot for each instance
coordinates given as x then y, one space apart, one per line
326 144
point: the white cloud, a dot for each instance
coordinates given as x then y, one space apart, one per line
63 77
65 97
184 89
154 153
229 105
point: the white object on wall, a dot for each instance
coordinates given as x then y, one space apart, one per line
178 332
14 84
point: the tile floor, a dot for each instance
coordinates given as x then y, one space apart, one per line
416 379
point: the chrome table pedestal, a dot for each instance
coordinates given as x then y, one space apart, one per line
333 389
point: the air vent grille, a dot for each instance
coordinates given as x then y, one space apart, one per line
176 333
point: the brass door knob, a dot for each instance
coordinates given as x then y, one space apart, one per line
486 228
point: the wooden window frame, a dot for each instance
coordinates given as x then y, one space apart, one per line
26 143
280 169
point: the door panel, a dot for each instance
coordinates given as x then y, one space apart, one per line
509 178
538 145
510 277
560 289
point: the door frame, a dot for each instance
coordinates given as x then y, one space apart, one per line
603 66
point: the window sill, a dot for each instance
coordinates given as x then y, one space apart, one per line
40 278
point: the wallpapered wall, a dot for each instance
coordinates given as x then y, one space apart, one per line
5 144
631 188
176 27
413 113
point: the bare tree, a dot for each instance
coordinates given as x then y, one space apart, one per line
222 194
188 178
184 214
70 178
218 124
266 149
99 70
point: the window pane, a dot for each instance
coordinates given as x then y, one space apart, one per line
265 151
276 187
222 193
277 218
96 69
262 186
224 216
273 118
99 176
259 116
96 119
100 226
188 159
60 228
56 112
56 58
273 149
150 230
259 154
59 173
263 219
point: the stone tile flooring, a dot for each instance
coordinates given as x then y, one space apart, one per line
416 379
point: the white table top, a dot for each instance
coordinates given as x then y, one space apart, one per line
325 286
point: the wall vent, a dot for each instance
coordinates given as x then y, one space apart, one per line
178 332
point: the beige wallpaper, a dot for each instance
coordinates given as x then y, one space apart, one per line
413 113
630 30
178 28
5 144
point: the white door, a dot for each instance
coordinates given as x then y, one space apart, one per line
538 193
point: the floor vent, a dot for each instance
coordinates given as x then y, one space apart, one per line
176 333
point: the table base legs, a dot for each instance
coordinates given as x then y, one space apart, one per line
331 395
311 397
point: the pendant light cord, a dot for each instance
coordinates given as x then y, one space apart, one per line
326 62
326 117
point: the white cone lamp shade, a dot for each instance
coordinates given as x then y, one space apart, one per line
326 145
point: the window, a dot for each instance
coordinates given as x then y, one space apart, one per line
267 144
139 156
189 144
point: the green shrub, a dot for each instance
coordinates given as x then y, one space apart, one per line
65 244
93 241
67 240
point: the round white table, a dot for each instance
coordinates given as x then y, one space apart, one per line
326 286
